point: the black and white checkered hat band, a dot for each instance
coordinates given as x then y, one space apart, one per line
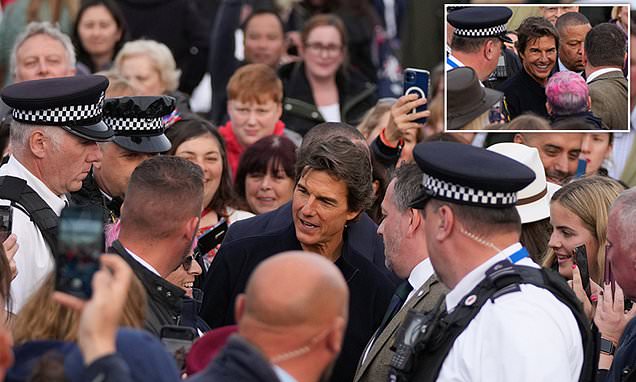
467 195
482 32
135 124
61 115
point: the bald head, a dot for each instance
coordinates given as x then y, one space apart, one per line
295 289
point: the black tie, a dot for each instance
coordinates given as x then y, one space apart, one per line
398 299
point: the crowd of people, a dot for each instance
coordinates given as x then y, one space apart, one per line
567 70
313 223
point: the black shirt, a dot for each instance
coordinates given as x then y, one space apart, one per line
523 94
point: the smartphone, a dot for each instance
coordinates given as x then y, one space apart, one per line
178 341
608 278
211 238
417 81
608 275
6 222
581 168
80 242
580 259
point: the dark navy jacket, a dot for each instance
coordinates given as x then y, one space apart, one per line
248 242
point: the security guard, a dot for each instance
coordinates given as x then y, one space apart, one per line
506 319
139 134
56 124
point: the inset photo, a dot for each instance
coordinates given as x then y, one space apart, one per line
559 67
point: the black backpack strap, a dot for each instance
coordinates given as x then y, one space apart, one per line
22 196
502 278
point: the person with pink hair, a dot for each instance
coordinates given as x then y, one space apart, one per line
569 103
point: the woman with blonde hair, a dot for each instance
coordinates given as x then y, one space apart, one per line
43 318
151 68
579 214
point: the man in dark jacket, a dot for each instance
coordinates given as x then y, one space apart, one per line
333 187
159 219
525 91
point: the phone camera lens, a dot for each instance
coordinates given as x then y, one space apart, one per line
410 76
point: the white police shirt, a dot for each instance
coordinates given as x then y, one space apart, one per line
522 336
34 259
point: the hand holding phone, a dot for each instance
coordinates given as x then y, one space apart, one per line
580 259
6 222
178 341
417 81
80 244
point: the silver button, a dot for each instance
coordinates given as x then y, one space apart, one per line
288 107
314 115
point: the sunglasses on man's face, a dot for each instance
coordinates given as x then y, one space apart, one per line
187 261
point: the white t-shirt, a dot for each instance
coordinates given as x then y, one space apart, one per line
330 113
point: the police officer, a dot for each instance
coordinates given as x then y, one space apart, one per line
56 124
505 318
139 134
477 42
478 36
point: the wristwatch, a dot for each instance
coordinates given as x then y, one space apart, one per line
607 346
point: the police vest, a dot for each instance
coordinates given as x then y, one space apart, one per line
23 197
437 331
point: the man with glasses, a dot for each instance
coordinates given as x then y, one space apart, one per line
159 220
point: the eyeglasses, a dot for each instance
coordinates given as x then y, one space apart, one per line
318 48
187 261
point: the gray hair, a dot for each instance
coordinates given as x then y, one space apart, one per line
408 184
625 208
344 159
45 28
159 54
21 132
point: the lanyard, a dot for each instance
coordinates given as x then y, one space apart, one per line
451 63
520 254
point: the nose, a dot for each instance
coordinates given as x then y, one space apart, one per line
195 268
43 68
94 153
309 206
585 145
266 183
554 241
562 163
380 229
251 119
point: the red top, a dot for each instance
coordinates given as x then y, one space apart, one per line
234 148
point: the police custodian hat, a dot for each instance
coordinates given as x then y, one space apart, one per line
468 175
479 22
138 122
72 103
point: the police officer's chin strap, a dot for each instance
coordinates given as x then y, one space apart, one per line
479 240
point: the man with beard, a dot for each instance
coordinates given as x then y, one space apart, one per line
138 127
537 46
406 255
559 153
56 124
572 28
159 220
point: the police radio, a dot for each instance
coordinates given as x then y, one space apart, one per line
412 336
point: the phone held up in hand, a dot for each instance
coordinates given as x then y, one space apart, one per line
580 259
80 242
417 81
6 222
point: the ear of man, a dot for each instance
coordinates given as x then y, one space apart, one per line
39 144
